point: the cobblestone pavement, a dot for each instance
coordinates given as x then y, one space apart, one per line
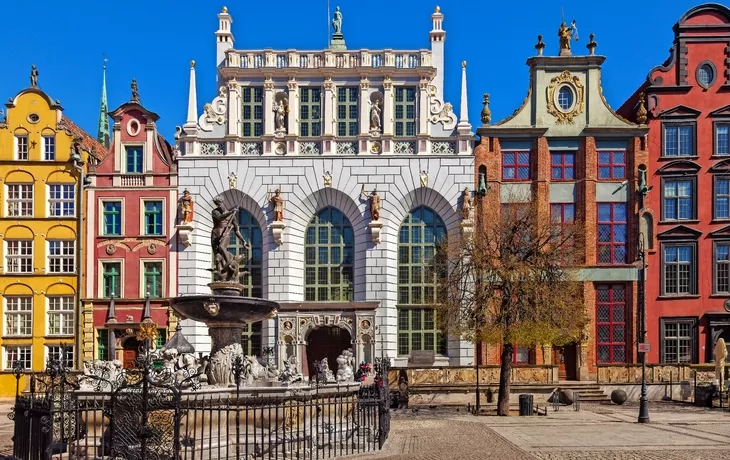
677 432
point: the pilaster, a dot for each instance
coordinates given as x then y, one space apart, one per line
541 188
364 107
293 118
269 95
387 106
587 208
234 109
329 107
423 107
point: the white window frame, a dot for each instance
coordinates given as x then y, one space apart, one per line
61 260
52 349
22 155
18 255
16 199
64 189
65 313
142 286
16 307
124 164
142 216
49 146
100 272
122 220
7 348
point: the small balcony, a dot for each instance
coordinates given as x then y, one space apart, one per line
132 180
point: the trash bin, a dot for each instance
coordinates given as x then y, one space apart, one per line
525 405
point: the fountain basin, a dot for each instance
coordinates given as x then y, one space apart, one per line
224 310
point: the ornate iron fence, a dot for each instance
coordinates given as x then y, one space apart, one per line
148 413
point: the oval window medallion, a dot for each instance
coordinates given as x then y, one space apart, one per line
133 127
34 118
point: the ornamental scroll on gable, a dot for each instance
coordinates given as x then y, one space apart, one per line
440 112
214 113
574 85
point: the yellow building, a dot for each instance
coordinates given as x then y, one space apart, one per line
42 156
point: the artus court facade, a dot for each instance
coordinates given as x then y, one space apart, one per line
345 166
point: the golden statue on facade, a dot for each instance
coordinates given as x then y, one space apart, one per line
565 33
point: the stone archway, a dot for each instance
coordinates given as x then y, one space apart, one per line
326 342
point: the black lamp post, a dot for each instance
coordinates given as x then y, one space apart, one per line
643 190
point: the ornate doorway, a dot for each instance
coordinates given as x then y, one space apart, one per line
131 347
326 342
565 358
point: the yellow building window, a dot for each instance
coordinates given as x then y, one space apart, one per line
61 315
20 200
15 354
18 316
19 256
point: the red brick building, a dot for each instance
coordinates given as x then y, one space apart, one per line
132 209
686 103
567 150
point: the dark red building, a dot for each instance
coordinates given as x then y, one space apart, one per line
132 209
686 104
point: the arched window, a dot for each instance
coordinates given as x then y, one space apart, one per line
419 233
251 232
329 253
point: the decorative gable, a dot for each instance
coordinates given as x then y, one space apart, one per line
680 232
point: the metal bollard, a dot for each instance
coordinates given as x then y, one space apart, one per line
576 401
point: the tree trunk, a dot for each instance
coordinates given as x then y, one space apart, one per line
505 372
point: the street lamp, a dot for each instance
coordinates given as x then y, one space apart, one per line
643 190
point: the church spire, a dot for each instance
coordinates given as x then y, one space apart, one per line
103 134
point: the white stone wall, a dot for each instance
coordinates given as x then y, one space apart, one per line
300 179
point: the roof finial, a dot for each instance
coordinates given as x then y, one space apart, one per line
192 120
34 76
437 9
540 45
135 91
641 113
464 127
592 44
486 113
102 134
224 10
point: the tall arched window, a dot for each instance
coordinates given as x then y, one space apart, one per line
329 253
419 233
251 232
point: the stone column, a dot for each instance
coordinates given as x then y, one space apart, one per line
329 105
423 107
293 88
364 106
387 106
269 95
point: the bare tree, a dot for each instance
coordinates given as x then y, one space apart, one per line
510 283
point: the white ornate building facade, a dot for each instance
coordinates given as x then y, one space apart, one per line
328 128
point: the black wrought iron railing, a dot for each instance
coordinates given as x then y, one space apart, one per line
144 413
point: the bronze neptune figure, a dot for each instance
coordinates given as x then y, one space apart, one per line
225 221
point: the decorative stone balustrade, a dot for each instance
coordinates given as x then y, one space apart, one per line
631 373
133 181
346 59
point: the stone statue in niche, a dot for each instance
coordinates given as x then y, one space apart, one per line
232 180
186 207
281 109
225 221
375 120
424 178
277 202
466 204
327 179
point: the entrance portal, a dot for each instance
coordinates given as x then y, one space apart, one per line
131 348
566 359
326 342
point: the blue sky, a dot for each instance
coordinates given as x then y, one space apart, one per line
154 40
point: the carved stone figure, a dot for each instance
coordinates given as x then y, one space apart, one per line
256 370
135 91
327 179
281 108
232 180
186 207
424 178
566 33
290 374
34 76
221 363
466 204
100 375
324 373
337 21
346 367
225 221
374 200
720 357
375 121
277 201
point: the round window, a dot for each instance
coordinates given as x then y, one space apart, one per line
565 98
705 75
34 118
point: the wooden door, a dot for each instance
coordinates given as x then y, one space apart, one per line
559 360
565 358
130 356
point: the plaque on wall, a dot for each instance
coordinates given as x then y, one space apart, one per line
422 358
